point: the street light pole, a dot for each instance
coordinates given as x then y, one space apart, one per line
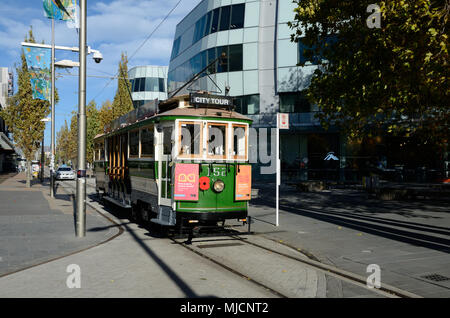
81 173
52 159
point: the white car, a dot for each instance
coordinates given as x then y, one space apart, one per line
65 173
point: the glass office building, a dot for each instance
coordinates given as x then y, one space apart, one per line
261 72
148 83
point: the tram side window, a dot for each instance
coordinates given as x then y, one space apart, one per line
239 141
134 143
217 140
190 139
147 147
167 140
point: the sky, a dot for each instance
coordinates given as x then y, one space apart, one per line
113 27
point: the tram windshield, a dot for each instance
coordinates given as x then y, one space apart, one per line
217 134
212 140
190 139
239 141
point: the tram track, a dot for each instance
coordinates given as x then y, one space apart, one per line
385 290
306 260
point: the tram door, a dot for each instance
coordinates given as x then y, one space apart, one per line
164 167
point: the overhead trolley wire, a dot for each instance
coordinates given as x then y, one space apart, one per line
143 43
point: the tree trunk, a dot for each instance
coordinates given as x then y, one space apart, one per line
28 183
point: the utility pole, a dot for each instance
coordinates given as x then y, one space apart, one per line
42 160
52 158
81 173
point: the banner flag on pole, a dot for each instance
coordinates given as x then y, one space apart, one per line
60 9
39 66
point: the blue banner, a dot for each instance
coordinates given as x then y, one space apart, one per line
39 67
60 9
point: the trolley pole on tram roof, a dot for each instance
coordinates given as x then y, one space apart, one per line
81 172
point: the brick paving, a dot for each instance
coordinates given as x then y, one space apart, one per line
35 228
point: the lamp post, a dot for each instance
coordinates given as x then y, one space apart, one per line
81 173
43 153
52 156
84 50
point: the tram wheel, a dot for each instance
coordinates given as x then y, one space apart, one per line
136 213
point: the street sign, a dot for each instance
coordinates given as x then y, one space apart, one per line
283 121
211 100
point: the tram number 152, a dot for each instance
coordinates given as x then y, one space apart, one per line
217 172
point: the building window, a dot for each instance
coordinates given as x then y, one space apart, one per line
294 103
307 53
220 19
196 64
211 56
225 18
208 23
215 20
247 105
151 84
199 29
142 84
162 87
148 84
175 48
233 62
237 16
235 58
222 65
136 85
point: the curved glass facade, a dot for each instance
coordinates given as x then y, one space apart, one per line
194 65
220 19
211 29
148 83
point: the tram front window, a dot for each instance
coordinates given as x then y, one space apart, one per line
190 138
239 141
217 140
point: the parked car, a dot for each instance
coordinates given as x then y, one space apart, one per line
35 168
65 173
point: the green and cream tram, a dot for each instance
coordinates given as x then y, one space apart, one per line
182 161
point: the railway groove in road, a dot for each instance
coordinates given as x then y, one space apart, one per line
324 269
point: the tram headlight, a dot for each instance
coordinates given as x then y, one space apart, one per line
218 186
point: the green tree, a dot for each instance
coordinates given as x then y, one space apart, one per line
392 79
105 115
73 139
23 114
122 102
62 144
93 129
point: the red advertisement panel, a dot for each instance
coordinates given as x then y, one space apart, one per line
186 182
244 183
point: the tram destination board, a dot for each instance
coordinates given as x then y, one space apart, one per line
213 101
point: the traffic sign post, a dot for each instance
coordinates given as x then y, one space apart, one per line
282 123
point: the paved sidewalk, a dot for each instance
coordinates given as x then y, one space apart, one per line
35 228
409 240
134 264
